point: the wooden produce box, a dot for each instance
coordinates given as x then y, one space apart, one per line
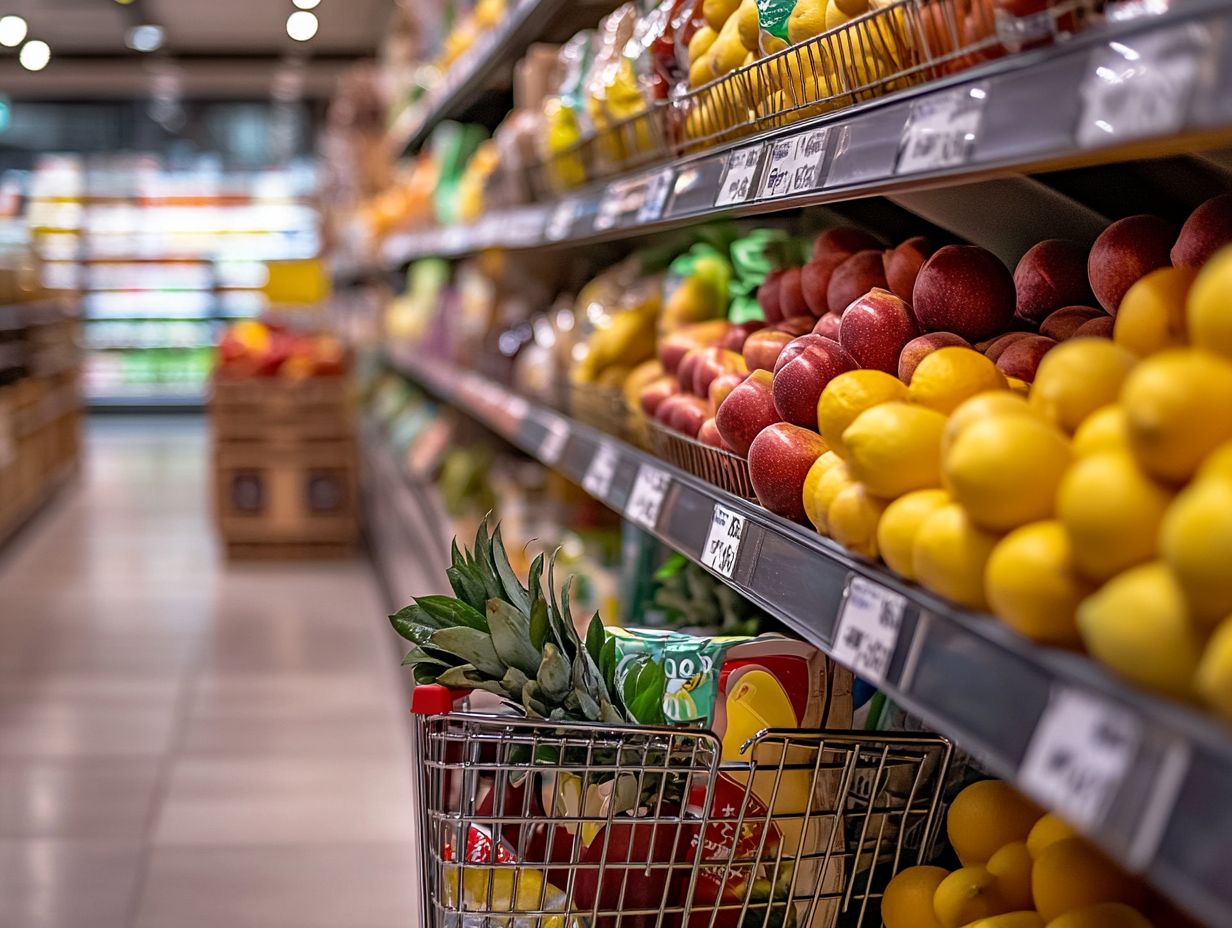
277 410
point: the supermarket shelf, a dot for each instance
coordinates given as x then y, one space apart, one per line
149 402
1138 87
1149 781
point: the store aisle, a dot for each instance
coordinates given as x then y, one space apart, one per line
184 743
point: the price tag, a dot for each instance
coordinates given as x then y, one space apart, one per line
868 627
1141 86
795 164
737 183
1079 755
609 207
554 441
723 541
516 407
658 188
598 478
941 130
561 221
646 500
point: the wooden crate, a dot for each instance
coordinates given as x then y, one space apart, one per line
276 410
289 500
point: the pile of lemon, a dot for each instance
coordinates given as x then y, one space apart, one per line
1094 511
1020 869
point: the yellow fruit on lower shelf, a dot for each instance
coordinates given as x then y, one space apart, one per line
1217 465
908 899
1215 670
966 895
1102 430
950 556
894 448
1009 920
1072 875
822 484
1010 867
1005 470
1195 541
1112 512
1046 832
848 395
1207 316
983 406
1176 405
952 374
900 523
1151 317
853 518
1077 377
985 817
1137 624
1104 915
1033 586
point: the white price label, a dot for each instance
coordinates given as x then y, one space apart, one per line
598 478
1079 755
646 500
941 130
554 441
609 208
795 164
516 407
561 220
868 626
1141 86
658 188
723 541
737 184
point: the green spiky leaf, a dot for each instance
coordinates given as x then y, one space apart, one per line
472 646
448 612
515 593
539 625
510 633
596 637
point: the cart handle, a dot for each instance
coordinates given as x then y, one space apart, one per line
434 699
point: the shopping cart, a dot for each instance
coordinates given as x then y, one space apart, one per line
540 824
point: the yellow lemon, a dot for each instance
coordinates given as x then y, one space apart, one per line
817 504
1009 920
702 39
807 19
1103 915
1077 377
1215 670
853 8
1217 465
1033 586
1010 867
1102 430
1046 832
812 481
835 16
1176 406
1206 311
986 816
966 895
1138 625
1196 542
853 517
1005 470
894 448
1112 512
1072 874
899 524
848 395
717 12
1021 387
983 406
908 899
748 25
950 555
952 374
1151 317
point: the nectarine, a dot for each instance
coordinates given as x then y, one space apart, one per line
1050 275
1126 251
965 290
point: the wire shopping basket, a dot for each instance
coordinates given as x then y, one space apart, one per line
540 824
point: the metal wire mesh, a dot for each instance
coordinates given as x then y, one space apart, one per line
714 465
531 824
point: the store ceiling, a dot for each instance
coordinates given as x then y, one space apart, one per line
214 48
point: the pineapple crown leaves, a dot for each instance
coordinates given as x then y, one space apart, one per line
519 642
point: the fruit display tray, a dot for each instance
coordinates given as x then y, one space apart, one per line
725 470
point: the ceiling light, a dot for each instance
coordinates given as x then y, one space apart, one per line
145 38
307 4
12 31
301 25
35 55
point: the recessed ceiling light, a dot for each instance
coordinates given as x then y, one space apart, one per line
145 38
35 55
301 25
307 4
12 31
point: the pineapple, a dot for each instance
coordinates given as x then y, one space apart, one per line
515 641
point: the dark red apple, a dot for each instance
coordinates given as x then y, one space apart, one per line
1208 228
708 434
993 348
734 339
1099 327
768 296
844 240
875 328
919 348
1022 357
721 387
688 414
1124 253
853 278
761 349
965 290
902 265
779 460
1050 275
815 280
827 326
797 325
688 367
802 372
748 409
1066 321
791 294
655 392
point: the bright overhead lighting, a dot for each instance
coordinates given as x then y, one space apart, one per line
145 38
307 4
301 25
35 55
12 31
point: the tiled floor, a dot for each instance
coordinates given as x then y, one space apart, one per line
185 743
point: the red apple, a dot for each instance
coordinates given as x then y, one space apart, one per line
919 348
655 392
761 349
1099 327
1208 228
688 367
748 409
802 372
768 296
1050 275
1065 321
827 326
875 328
791 295
721 387
815 280
1124 253
902 265
843 240
965 290
734 339
708 434
853 278
688 414
779 460
711 363
666 409
1022 357
675 345
993 348
797 325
